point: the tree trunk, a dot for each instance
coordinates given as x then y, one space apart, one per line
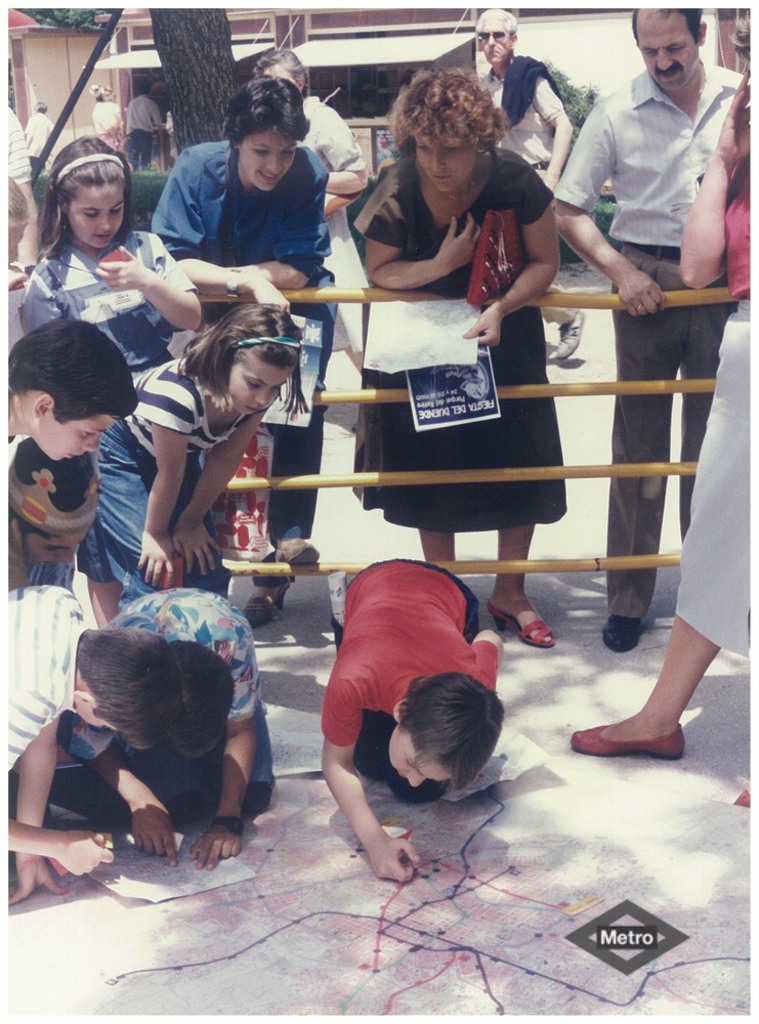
195 47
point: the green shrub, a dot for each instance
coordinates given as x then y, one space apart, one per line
147 187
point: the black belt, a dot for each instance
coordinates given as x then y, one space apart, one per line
661 252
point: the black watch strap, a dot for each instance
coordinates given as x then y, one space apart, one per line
230 822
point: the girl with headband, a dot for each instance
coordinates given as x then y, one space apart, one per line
95 268
162 467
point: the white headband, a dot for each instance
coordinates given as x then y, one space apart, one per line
93 158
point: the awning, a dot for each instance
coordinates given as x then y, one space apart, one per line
17 19
135 59
324 53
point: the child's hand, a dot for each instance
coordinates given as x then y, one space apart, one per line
393 858
153 832
487 327
218 843
83 851
157 557
121 271
195 542
33 871
16 278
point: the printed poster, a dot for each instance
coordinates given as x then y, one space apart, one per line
447 396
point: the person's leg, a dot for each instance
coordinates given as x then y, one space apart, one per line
104 599
297 452
702 358
508 588
508 601
438 547
689 654
641 433
132 151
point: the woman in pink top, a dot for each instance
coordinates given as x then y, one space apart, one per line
713 599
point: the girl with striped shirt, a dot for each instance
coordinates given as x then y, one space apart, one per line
163 467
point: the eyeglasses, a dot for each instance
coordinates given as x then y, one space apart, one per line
498 36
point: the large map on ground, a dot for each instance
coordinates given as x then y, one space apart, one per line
481 930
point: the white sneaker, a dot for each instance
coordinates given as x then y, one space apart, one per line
570 334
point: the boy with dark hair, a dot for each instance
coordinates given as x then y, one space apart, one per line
178 780
67 383
130 680
411 699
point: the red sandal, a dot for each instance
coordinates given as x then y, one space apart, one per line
534 634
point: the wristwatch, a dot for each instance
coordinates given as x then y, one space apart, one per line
230 822
233 286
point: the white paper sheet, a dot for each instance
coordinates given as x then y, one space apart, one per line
513 755
141 876
410 335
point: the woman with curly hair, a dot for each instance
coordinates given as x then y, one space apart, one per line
421 225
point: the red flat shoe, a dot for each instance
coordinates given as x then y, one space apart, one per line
589 741
534 634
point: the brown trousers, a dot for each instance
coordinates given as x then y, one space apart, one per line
684 339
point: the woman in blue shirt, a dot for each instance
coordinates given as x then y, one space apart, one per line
245 217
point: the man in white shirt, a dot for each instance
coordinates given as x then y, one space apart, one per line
653 139
143 114
38 129
539 129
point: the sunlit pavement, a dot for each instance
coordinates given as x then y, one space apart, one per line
547 694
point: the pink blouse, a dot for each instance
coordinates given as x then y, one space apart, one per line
738 232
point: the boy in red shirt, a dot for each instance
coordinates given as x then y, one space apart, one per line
411 699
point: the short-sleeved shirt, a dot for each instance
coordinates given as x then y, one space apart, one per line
19 167
44 627
397 215
142 114
533 137
652 152
402 620
37 132
198 616
170 399
204 214
331 138
68 287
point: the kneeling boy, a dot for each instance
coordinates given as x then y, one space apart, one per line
411 699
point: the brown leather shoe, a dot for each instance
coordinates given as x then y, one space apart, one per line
260 608
589 741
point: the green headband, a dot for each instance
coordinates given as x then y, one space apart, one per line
250 342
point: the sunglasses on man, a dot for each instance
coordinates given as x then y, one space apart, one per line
498 36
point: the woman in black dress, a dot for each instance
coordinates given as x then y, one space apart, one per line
421 225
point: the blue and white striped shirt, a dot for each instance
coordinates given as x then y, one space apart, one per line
44 627
171 400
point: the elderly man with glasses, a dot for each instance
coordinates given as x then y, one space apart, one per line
539 129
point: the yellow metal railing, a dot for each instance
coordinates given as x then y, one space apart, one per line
372 396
